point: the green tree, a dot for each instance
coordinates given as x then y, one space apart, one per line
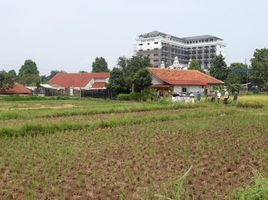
218 68
117 82
195 65
142 80
259 64
28 73
12 73
237 73
6 80
128 75
100 65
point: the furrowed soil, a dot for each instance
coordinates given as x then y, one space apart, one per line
131 150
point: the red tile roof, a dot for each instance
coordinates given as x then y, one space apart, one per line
16 89
76 79
99 85
184 77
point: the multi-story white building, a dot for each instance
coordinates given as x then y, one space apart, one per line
164 47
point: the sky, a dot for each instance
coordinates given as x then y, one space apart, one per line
68 34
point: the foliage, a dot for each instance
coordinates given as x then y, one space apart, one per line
238 72
149 94
233 87
142 79
256 191
259 63
195 65
12 73
83 72
237 75
218 68
130 71
123 97
100 65
6 80
28 73
117 82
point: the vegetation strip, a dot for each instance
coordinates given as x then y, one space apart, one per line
17 115
33 129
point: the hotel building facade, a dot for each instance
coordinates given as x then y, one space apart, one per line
161 47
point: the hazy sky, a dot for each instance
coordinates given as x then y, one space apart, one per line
69 34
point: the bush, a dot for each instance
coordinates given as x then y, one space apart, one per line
135 96
123 97
130 97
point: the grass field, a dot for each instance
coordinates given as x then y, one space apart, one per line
100 149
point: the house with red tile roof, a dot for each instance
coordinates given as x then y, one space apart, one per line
16 89
177 81
73 83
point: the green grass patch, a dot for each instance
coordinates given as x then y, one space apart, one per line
255 105
256 191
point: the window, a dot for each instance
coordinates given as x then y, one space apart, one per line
140 44
156 60
155 48
184 89
148 43
156 42
156 54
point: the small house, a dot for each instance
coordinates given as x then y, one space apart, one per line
182 81
79 84
16 89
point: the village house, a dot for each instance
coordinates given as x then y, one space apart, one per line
16 89
170 81
79 84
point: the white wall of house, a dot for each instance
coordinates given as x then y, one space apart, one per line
94 80
189 88
101 80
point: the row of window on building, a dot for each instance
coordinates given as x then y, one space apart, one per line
186 42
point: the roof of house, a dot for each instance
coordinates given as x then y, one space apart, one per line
99 85
76 79
16 89
184 77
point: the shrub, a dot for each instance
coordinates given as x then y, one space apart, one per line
123 97
135 96
145 95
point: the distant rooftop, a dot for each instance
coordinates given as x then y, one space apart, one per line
184 39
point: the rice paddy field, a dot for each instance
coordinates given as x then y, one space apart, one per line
104 149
